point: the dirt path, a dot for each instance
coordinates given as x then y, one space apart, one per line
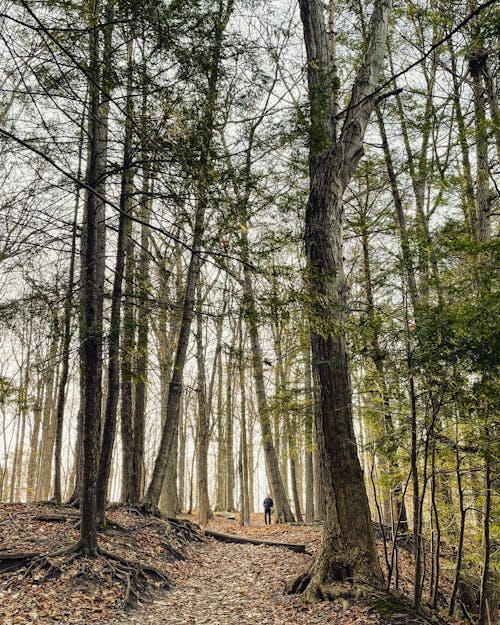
223 584
226 584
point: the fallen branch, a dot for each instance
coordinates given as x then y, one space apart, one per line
231 538
226 515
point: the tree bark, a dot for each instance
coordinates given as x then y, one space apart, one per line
91 302
243 460
229 429
45 454
349 549
204 512
109 428
308 434
68 303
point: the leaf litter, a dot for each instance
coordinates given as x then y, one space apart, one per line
216 584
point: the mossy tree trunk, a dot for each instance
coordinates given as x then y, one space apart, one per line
348 550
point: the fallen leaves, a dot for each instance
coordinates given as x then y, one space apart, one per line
218 583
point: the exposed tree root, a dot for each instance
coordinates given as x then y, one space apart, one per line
145 509
395 607
298 584
134 578
132 575
44 566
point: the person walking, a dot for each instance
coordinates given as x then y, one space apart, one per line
268 507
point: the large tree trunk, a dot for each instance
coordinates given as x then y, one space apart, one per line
349 549
91 303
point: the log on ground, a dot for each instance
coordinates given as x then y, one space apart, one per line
231 538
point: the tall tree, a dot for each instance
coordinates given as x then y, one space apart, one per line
348 549
202 185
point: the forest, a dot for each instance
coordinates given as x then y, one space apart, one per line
249 250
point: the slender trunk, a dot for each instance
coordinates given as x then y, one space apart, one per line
126 365
250 462
141 362
168 440
293 481
485 605
436 534
168 342
308 434
49 421
467 183
181 469
461 534
204 512
477 65
109 428
243 462
68 304
229 432
417 539
221 445
32 461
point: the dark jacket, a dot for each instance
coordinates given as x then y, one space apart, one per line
268 503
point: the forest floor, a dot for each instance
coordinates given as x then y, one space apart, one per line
216 584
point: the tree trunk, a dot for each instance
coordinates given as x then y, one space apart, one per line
142 296
204 512
33 456
181 469
243 460
466 178
126 365
477 68
250 461
308 434
221 445
229 432
91 301
68 304
168 440
109 428
349 549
